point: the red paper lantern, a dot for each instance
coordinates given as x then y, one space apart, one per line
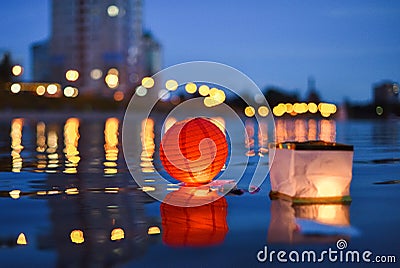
203 225
194 151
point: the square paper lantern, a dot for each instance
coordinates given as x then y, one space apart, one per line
313 171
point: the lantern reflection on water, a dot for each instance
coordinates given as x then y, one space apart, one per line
308 223
194 151
191 224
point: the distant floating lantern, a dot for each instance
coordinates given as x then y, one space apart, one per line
194 151
197 226
313 171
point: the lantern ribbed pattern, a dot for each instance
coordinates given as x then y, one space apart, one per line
194 151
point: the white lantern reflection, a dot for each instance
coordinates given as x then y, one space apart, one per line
308 223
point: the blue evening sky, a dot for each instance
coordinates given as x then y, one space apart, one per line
345 45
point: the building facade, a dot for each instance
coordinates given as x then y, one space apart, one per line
96 46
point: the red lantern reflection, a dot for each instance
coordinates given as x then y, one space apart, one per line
203 225
194 151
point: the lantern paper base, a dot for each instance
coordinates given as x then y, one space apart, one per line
312 172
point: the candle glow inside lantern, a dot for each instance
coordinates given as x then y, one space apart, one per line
312 171
194 151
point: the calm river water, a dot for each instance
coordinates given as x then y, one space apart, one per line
68 200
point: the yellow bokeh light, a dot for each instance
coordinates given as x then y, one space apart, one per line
52 89
279 110
21 240
325 114
40 90
117 234
289 108
17 70
72 75
312 107
77 237
300 108
218 95
15 88
112 80
171 85
153 230
249 111
204 90
191 88
210 102
327 108
263 111
213 91
147 82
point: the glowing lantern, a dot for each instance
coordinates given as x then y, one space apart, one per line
312 171
194 226
194 151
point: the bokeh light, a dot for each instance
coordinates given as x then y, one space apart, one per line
40 90
77 237
15 88
112 80
147 82
379 110
69 91
312 107
96 74
118 96
191 88
141 91
171 85
112 11
279 110
204 90
52 89
263 111
72 75
17 70
249 111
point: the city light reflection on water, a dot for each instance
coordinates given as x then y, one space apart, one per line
65 190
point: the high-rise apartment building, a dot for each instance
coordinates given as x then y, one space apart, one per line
98 46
